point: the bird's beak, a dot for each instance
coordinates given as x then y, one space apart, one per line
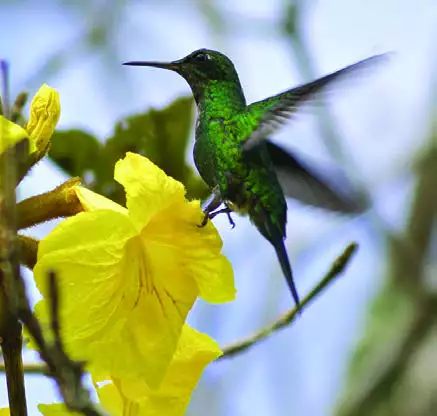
172 66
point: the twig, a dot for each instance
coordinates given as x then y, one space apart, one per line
288 318
29 368
59 202
17 107
67 373
27 251
10 327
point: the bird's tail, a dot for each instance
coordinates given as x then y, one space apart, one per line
272 232
281 252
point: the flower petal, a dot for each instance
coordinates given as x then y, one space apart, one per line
56 409
195 252
92 201
169 227
96 277
195 350
155 327
10 133
148 188
115 313
45 110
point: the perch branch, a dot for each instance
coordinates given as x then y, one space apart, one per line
288 318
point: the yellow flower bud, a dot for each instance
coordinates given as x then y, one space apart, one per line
44 114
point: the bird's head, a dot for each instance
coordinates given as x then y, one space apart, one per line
200 68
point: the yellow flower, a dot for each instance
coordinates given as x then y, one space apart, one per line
132 397
44 115
128 277
57 409
10 133
195 351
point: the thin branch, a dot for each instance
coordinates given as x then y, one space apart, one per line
30 368
59 202
10 328
27 251
17 107
288 318
67 373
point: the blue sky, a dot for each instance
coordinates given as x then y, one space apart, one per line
382 120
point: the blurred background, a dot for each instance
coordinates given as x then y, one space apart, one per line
368 345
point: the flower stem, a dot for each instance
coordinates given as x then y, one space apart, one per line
60 202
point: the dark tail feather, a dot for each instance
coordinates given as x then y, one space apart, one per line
281 252
275 234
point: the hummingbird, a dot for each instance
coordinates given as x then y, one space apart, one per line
244 169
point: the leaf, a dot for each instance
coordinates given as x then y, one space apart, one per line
160 135
74 151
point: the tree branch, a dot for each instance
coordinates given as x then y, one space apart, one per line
288 318
10 327
67 373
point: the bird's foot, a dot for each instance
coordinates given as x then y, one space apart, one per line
205 219
211 215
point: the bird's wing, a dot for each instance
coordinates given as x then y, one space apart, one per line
269 114
299 182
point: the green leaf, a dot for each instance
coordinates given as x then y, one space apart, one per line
74 151
161 135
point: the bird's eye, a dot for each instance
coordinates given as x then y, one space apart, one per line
202 57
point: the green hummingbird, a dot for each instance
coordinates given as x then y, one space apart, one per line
233 154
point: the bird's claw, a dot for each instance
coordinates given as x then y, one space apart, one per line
211 215
206 217
231 221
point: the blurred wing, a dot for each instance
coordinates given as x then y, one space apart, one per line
270 114
298 182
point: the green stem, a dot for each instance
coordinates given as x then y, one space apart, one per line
288 318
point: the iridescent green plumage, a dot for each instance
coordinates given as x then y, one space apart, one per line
243 169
